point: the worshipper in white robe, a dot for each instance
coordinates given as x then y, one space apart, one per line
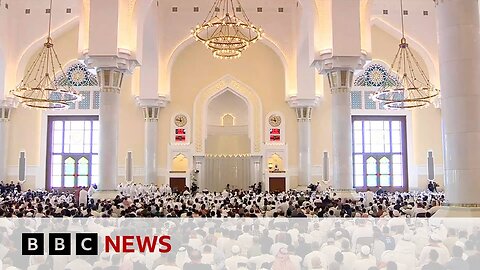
329 250
437 245
182 257
348 256
236 258
245 240
91 190
369 196
365 261
83 197
285 261
120 188
363 230
307 260
78 264
323 185
257 261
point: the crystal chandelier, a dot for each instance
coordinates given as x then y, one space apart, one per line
227 31
414 89
39 87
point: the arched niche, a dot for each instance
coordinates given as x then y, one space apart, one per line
180 163
275 162
228 125
228 120
248 95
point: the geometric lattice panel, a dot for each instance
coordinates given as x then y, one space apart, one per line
85 103
96 100
369 103
356 97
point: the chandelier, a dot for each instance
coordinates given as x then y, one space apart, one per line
227 31
40 87
413 89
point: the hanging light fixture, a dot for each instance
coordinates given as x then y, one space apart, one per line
414 89
226 30
39 87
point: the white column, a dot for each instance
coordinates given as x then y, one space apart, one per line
304 117
459 55
4 118
151 129
340 81
110 84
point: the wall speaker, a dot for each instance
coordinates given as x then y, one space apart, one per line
325 166
431 166
129 167
22 166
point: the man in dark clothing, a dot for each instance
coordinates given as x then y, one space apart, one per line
432 186
19 188
196 262
433 264
457 263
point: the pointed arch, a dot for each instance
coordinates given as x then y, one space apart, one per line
37 44
165 77
430 61
243 91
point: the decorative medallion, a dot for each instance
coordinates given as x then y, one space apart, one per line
375 75
78 75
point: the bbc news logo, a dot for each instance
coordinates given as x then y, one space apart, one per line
87 244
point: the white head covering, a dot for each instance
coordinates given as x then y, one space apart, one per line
365 250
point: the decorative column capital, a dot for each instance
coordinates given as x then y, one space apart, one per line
6 108
110 79
304 114
340 80
151 107
124 61
295 102
303 107
339 69
326 61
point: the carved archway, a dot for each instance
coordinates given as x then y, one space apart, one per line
227 83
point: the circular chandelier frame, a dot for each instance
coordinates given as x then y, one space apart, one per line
414 89
40 87
226 31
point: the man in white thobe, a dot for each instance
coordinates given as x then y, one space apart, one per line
83 197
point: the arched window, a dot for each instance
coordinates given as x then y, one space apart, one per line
380 152
85 80
72 151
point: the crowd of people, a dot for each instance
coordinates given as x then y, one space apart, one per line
260 244
139 200
374 240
